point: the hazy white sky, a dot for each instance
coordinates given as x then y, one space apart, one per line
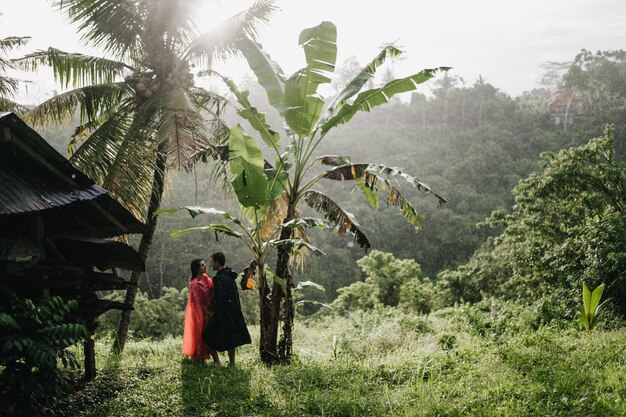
504 40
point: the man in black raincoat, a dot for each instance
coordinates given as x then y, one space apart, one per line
228 328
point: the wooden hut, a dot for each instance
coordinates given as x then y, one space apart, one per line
54 222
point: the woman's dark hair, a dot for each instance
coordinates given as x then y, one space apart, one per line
219 258
195 267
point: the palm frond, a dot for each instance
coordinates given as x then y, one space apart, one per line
115 26
338 217
130 175
95 103
9 105
179 127
8 86
11 42
97 153
222 41
74 69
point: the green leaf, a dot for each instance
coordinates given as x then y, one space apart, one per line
193 211
253 116
338 217
268 73
220 228
368 191
363 76
243 147
320 50
276 279
595 298
586 299
304 284
369 99
293 245
303 107
309 222
300 302
303 104
74 69
250 185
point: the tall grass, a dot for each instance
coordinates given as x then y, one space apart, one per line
383 363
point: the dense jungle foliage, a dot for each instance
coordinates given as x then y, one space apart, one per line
492 282
473 144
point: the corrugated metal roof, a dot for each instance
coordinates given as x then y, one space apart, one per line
35 178
20 194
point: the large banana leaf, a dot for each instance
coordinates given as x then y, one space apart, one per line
293 246
337 217
194 211
309 222
303 104
268 73
368 99
216 227
253 116
74 69
250 185
357 83
303 108
353 171
243 148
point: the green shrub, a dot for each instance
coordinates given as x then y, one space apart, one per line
357 296
152 318
33 338
417 296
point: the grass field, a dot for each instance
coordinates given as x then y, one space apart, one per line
384 364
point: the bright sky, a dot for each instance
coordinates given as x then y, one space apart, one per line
504 40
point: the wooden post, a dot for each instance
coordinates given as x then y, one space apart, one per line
90 350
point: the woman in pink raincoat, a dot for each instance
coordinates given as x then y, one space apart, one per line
198 312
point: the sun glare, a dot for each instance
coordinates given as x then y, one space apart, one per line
212 13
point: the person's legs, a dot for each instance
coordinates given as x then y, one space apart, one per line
215 356
231 357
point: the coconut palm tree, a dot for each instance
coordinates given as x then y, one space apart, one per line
270 194
140 112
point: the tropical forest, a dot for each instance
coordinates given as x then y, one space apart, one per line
389 239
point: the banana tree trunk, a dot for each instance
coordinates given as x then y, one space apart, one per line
271 306
267 346
285 344
144 249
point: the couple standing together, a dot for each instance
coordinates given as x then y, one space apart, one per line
213 318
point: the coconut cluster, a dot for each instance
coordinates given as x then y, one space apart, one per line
180 77
144 83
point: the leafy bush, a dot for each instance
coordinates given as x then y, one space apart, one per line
33 338
418 296
152 318
389 282
568 225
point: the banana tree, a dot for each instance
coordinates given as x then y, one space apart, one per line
140 111
309 119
